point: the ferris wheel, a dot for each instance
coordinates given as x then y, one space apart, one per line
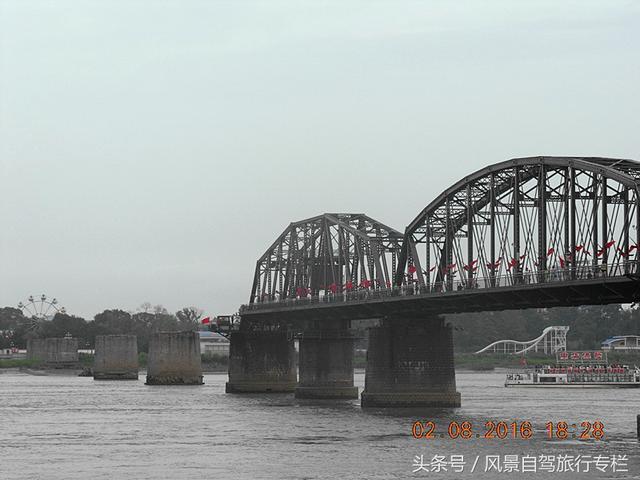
40 308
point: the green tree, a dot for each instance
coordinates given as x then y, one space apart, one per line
63 324
12 320
189 318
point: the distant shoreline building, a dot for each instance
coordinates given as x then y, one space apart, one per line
622 342
213 343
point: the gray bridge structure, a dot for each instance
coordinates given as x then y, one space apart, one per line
530 232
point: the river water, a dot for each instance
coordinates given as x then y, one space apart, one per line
64 427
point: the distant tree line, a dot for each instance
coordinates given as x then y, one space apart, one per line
589 325
16 329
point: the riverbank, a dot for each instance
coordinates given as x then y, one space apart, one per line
6 363
210 364
489 361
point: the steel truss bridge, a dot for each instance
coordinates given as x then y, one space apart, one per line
527 232
552 340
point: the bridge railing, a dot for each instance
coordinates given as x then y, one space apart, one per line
556 275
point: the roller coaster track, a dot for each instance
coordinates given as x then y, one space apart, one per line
553 339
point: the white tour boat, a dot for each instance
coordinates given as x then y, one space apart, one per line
576 369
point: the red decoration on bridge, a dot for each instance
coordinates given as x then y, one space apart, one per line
495 265
607 246
580 248
472 266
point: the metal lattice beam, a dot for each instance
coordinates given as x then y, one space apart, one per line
509 220
327 254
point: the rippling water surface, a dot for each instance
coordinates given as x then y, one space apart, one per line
64 427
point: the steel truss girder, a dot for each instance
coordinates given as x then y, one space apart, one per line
519 210
330 252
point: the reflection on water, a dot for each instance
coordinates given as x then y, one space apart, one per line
62 427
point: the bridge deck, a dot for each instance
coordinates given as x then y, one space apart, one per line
601 290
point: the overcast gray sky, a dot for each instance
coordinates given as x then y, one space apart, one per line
152 150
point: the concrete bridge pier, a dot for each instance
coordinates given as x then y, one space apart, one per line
174 359
261 361
54 352
116 357
410 364
326 362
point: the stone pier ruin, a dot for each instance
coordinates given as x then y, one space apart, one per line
174 359
116 357
53 352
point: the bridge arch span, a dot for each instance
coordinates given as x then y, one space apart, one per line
527 220
327 254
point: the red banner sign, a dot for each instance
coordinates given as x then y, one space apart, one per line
577 356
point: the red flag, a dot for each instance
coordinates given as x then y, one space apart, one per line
512 263
607 245
622 252
550 251
433 268
472 266
205 320
333 287
495 265
365 283
449 268
412 269
632 248
561 262
522 256
580 248
348 285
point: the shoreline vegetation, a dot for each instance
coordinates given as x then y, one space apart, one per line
489 361
210 362
462 361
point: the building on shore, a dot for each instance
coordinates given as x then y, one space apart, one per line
622 342
213 343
